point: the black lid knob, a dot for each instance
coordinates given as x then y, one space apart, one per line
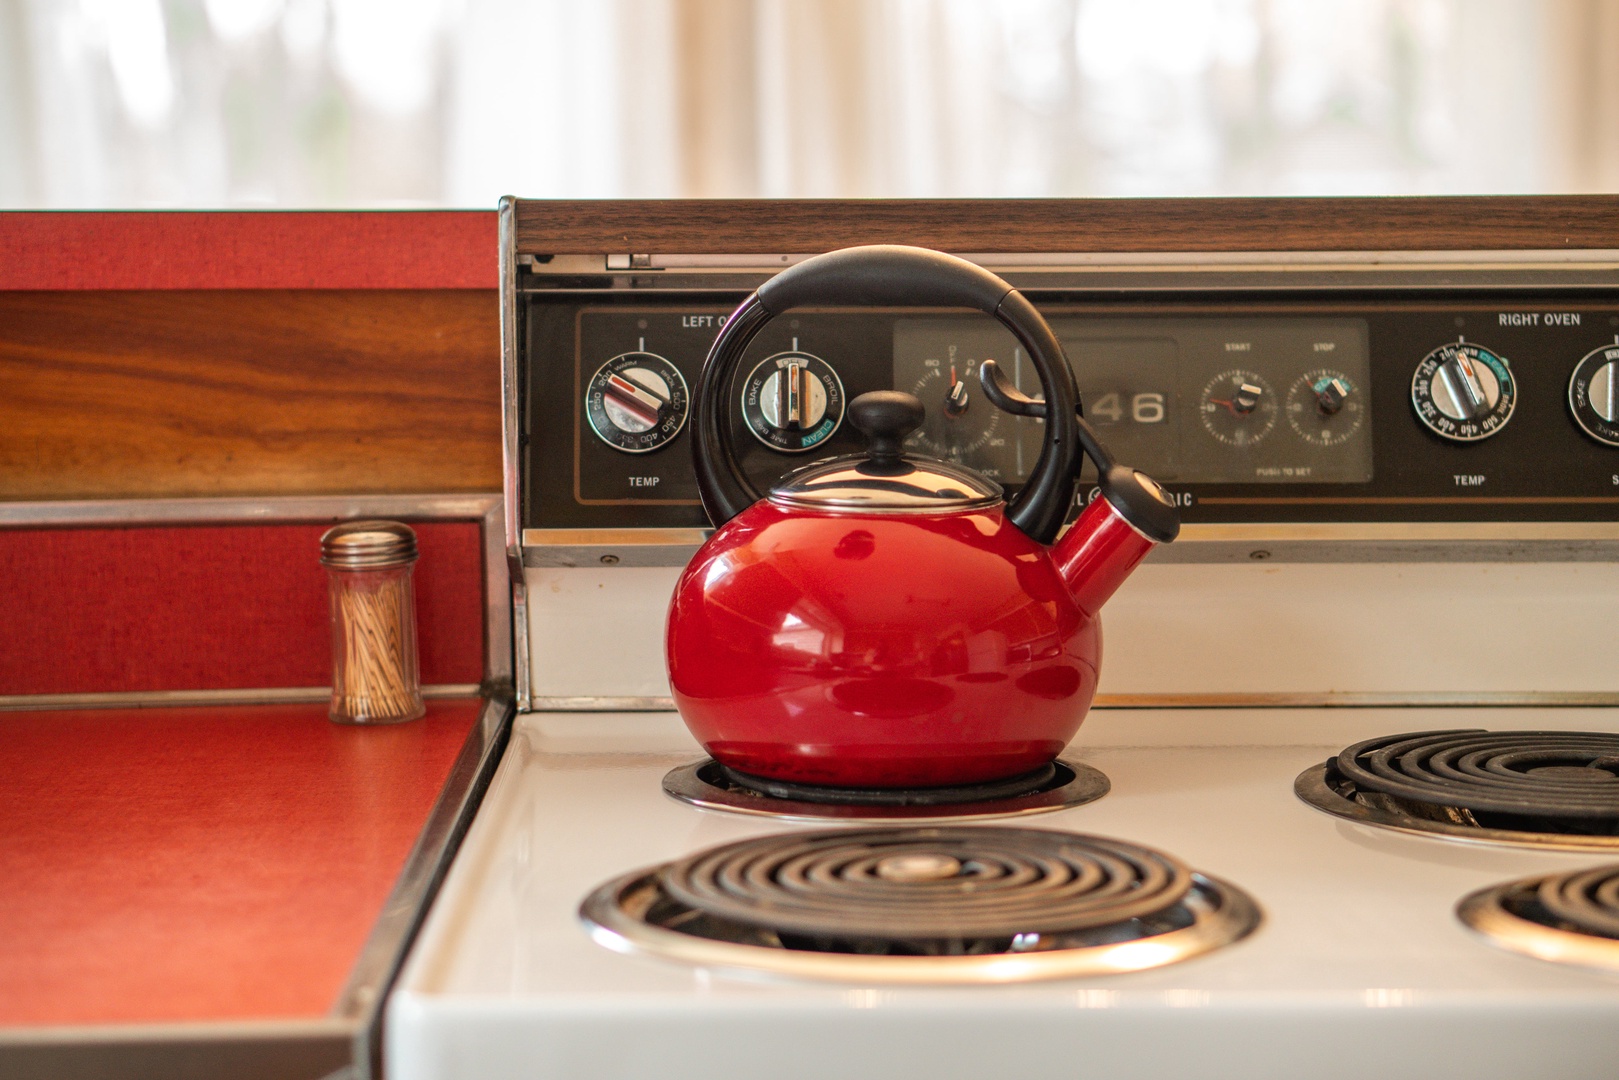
885 418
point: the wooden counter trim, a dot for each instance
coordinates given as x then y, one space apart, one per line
319 249
791 226
173 393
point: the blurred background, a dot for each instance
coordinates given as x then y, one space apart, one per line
452 103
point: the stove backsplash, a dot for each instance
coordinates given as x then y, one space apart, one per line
1397 485
1194 633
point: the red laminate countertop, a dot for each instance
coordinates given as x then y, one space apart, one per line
202 864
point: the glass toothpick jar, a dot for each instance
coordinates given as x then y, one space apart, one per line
376 678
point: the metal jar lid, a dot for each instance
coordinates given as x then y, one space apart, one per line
368 545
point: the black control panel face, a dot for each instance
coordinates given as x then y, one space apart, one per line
1395 410
1188 401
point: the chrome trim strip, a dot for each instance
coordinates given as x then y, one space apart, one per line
510 438
1222 261
158 699
372 977
279 509
1312 789
1405 531
601 704
497 599
605 537
1160 272
246 1049
520 651
1440 699
1307 542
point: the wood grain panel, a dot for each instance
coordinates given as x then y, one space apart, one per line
173 393
1044 225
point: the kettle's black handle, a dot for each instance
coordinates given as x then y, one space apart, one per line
892 276
1008 398
1136 496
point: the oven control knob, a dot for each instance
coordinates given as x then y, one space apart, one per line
1324 408
1463 392
637 402
792 402
1593 394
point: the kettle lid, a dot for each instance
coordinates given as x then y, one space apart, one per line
885 480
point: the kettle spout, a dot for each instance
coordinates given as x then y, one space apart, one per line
1130 517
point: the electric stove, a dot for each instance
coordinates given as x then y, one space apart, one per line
1399 482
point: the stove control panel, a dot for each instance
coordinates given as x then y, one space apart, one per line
1250 409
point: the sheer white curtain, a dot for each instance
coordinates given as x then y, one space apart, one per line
454 102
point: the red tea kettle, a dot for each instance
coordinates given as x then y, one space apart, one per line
886 621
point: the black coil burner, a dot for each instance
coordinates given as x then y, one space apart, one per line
1053 786
810 903
1545 788
1571 917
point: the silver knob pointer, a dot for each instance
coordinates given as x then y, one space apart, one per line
1604 391
955 399
1246 399
644 403
1330 398
791 406
1467 394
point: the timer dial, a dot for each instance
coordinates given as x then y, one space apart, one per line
792 402
1593 394
1463 392
1238 407
1324 408
959 422
637 402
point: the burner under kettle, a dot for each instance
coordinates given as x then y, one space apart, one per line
1055 786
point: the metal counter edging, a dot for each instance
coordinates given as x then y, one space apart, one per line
510 429
159 699
373 975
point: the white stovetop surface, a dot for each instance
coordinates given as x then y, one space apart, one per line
1360 969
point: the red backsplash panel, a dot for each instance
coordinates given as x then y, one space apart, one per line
97 610
204 863
261 249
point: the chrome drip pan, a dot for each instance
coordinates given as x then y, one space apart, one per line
709 785
1570 918
921 905
1555 790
